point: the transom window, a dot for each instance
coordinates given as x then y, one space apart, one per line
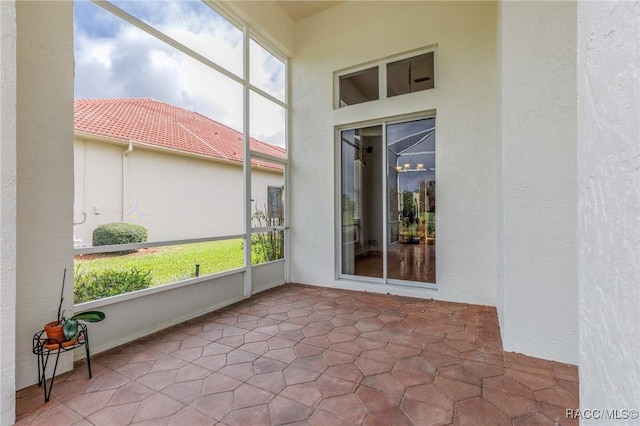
402 74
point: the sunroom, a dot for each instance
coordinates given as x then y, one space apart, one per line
525 113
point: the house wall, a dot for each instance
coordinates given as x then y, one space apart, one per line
609 205
44 173
7 211
174 196
465 104
537 180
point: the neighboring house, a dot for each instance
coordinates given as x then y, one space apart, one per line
174 171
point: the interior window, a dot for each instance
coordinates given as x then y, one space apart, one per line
360 86
410 75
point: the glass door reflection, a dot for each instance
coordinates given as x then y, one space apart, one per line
411 232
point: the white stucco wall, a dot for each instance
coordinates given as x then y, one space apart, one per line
268 18
174 196
609 205
7 211
464 100
537 161
44 173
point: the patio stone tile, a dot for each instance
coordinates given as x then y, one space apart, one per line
231 341
283 410
273 382
303 350
210 335
532 381
300 355
188 355
133 371
212 363
375 400
511 405
430 394
59 413
313 362
158 380
115 415
247 395
323 418
556 396
392 416
132 392
62 392
189 416
420 413
264 365
347 347
294 375
109 380
217 383
333 386
456 390
319 341
238 371
306 393
469 411
508 385
184 392
349 372
215 406
216 349
255 416
257 348
156 406
370 367
347 406
285 354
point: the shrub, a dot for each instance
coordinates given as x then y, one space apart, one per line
119 233
94 285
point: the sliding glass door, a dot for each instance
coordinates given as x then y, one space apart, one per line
387 202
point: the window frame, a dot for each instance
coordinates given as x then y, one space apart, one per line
249 34
382 64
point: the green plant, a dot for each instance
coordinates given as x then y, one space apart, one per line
267 246
70 325
97 284
119 233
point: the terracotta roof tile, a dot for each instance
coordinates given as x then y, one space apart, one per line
163 125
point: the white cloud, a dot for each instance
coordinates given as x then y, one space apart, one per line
122 61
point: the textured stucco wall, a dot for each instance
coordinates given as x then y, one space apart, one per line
609 205
190 198
464 100
45 173
268 18
7 210
537 170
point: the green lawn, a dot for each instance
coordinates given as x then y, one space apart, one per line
172 263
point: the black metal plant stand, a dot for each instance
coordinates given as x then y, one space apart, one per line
43 353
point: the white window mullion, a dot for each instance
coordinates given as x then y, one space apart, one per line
246 137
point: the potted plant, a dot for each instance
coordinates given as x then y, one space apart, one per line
64 331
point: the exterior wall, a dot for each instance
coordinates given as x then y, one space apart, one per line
609 205
44 173
174 196
465 103
267 17
537 162
7 212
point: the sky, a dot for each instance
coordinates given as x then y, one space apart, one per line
115 59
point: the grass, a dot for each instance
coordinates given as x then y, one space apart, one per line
172 263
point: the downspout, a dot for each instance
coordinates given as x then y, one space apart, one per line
125 155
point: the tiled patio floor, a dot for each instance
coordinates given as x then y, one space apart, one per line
309 355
